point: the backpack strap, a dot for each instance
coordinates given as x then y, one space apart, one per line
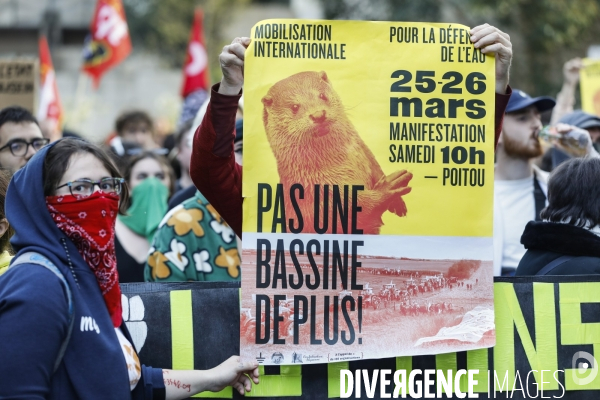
32 257
553 264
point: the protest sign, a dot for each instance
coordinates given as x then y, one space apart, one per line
590 86
368 184
548 330
18 82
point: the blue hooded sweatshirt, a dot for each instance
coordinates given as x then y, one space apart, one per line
34 313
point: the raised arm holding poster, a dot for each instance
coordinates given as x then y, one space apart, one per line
368 181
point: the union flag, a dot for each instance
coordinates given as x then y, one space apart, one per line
108 42
195 69
49 108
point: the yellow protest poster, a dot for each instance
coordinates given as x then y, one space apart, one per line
590 86
368 186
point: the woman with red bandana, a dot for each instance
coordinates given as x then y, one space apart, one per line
63 205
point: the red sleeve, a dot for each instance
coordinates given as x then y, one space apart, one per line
501 103
213 168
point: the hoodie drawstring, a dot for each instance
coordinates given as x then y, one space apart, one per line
64 243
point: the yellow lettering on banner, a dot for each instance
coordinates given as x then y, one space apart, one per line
404 363
476 360
541 356
182 330
182 338
288 383
447 364
574 332
334 378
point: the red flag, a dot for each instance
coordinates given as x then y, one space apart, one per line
195 70
108 43
49 108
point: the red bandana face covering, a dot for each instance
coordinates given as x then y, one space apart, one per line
90 224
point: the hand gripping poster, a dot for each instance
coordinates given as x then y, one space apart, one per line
368 186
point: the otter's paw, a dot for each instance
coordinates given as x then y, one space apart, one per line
397 205
399 180
393 187
394 183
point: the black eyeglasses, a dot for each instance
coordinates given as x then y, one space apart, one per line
85 187
19 147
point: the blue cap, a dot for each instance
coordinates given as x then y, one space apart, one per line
581 119
520 100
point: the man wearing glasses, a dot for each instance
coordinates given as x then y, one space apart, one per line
20 138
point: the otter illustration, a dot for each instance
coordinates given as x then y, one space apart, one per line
314 143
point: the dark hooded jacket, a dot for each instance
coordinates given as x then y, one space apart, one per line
547 241
34 313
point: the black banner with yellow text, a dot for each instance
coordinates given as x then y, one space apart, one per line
547 329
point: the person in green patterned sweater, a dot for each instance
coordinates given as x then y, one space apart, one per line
193 243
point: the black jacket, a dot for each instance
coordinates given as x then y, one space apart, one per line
546 241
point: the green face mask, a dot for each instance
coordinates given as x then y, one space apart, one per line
148 207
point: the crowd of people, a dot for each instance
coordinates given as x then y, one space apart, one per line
82 218
532 178
76 220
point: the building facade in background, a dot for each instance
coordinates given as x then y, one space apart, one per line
143 81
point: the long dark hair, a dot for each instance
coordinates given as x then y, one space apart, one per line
58 159
574 193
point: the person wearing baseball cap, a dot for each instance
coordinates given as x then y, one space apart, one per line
587 121
579 119
519 101
520 187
